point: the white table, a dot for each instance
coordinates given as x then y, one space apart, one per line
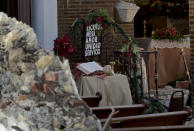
115 89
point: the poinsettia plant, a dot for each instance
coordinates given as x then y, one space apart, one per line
63 47
170 33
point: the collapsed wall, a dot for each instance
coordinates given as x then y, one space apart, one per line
37 90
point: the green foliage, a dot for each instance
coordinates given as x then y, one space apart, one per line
131 43
154 106
94 14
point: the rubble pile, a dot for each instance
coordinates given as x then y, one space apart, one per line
37 90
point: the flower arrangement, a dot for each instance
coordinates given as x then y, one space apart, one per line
98 16
170 33
63 47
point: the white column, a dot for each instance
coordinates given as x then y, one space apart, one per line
44 22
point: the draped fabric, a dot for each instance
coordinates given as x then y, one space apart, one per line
24 11
115 89
170 64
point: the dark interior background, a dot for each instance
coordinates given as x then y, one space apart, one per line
20 9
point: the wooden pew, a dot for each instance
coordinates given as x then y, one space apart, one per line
124 110
92 101
158 119
158 128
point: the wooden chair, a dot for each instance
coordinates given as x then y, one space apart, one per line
124 110
158 128
92 101
158 119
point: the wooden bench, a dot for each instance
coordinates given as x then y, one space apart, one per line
124 110
158 119
92 101
158 128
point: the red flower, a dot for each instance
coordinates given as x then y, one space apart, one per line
65 38
58 41
170 33
162 34
173 29
169 27
58 46
99 19
68 48
63 47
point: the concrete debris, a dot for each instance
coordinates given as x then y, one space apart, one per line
37 90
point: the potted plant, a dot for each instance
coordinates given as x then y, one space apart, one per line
170 34
63 47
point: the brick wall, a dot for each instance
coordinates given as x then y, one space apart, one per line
191 27
69 10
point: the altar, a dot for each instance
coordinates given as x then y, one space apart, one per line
170 64
115 89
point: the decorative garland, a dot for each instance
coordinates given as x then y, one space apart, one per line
99 16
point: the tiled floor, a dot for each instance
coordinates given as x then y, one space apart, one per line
191 122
